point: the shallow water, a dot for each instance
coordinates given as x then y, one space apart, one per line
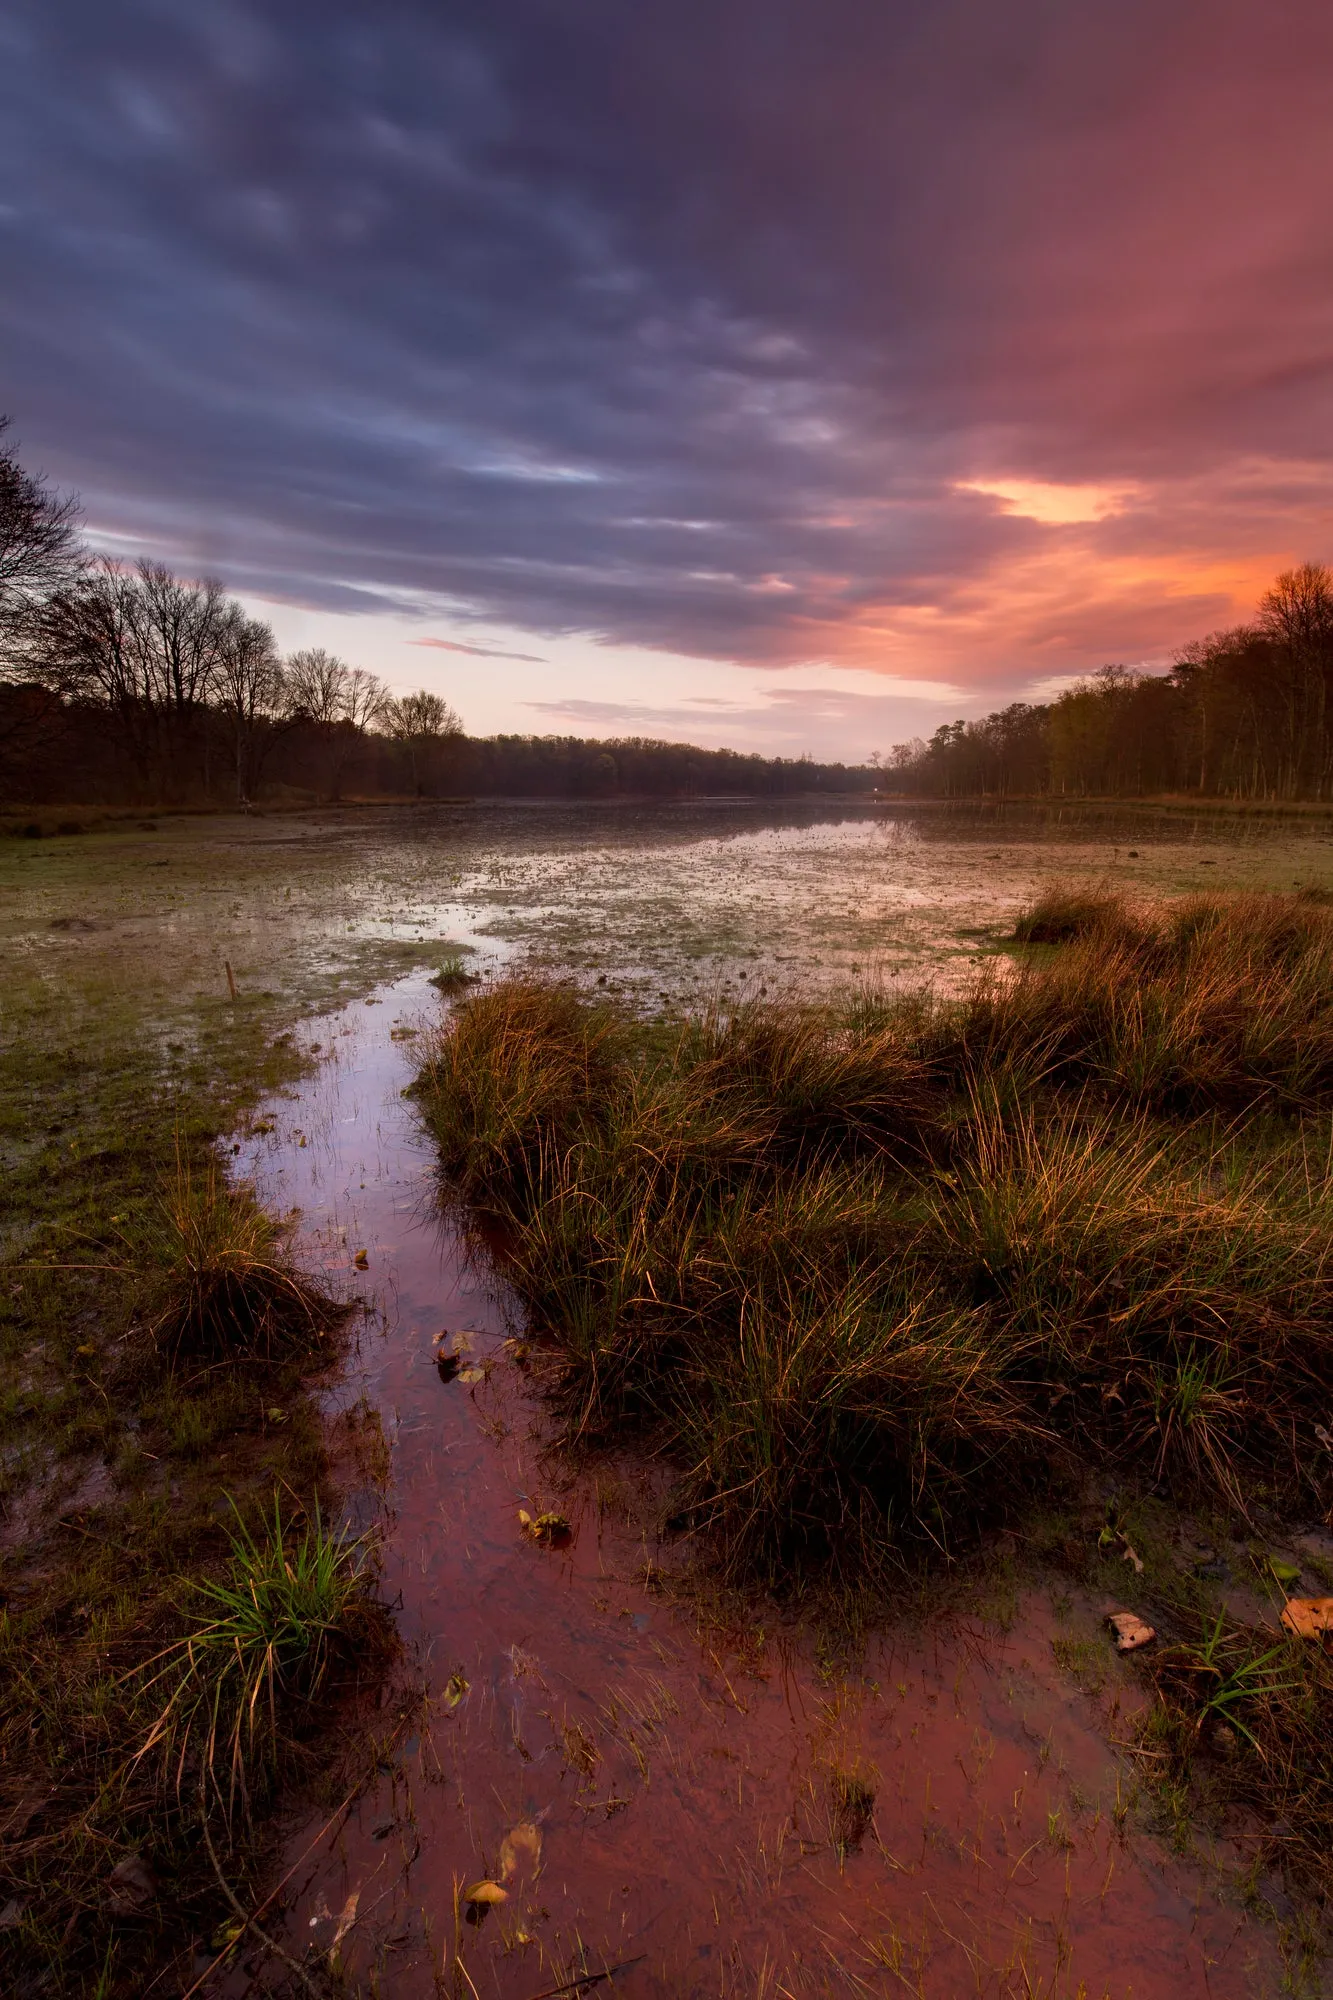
669 1789
679 900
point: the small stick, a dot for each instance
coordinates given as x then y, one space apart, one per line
589 1979
231 980
260 1908
248 1923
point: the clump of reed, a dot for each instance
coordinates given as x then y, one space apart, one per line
225 1290
879 1269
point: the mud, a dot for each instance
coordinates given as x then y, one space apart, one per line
714 1809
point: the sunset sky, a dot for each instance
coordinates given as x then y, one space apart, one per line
789 373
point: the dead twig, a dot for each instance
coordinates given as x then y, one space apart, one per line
589 1979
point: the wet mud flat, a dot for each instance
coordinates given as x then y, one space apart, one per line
695 1805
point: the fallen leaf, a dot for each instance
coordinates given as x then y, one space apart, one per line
1325 1438
361 1260
346 1920
1130 1631
1308 1617
225 1936
472 1374
12 1915
1132 1556
456 1688
484 1893
521 1847
133 1885
275 1415
303 1141
548 1528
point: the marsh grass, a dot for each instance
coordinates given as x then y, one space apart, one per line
115 1081
1242 1722
875 1273
226 1289
262 1636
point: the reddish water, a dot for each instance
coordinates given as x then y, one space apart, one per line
644 1790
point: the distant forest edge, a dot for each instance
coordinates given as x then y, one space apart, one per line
1243 714
125 685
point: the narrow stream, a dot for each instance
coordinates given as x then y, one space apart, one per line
652 1796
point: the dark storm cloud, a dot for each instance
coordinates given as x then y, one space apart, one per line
679 324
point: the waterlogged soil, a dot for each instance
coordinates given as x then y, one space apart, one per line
702 1804
672 901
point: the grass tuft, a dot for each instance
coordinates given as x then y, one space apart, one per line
227 1292
263 1635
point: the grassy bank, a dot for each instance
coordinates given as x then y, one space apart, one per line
181 1620
874 1276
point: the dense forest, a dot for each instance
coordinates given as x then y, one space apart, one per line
124 684
1244 714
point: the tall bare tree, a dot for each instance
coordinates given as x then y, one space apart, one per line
1296 615
40 553
250 691
40 550
340 701
421 722
316 684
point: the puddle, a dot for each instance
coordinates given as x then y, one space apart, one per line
698 1812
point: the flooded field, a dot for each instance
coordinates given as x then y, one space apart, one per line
669 1799
672 900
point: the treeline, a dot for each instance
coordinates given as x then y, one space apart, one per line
125 684
1244 714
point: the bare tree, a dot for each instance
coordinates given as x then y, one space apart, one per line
365 699
40 553
250 691
316 684
421 722
1297 616
150 648
40 550
87 648
341 701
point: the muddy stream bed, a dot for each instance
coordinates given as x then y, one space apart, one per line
716 1811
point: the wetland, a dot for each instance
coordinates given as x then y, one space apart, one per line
683 1781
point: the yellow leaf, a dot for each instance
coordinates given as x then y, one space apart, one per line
485 1892
521 1847
472 1374
1130 1631
361 1260
543 1527
1308 1617
456 1688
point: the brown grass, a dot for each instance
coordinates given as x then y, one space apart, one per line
883 1269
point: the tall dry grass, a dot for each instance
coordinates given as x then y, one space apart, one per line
877 1270
225 1289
